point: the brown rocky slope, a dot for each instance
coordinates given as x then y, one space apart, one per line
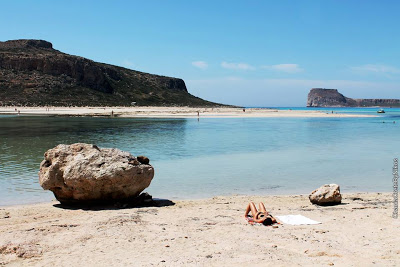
32 73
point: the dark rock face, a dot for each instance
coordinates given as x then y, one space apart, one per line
325 97
83 71
378 102
33 73
25 43
320 97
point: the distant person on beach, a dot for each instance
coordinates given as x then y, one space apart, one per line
261 216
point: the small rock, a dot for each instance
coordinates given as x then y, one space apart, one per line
143 159
328 194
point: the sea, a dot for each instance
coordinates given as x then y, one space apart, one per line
201 158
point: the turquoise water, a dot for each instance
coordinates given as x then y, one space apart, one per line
390 112
214 156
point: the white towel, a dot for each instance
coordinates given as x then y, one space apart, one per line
296 220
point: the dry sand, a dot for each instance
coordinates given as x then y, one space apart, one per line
210 232
170 112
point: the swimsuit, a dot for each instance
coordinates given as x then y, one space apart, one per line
259 215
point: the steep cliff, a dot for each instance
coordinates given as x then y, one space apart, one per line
320 97
32 73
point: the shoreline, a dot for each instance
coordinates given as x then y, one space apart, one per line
173 112
275 194
206 232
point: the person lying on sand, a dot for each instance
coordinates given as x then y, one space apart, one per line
261 216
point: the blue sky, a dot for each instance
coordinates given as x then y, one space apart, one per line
251 53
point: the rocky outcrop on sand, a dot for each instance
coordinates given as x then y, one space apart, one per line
85 173
321 97
33 73
328 194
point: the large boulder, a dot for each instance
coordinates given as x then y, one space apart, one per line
328 194
85 173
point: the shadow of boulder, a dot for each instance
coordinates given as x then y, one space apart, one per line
143 200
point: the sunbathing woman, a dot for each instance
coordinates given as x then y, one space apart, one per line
261 216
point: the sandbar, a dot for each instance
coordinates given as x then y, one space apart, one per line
173 112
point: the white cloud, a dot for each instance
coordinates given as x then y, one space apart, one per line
237 66
288 68
200 64
128 64
375 68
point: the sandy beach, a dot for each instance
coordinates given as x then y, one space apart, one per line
169 112
205 232
209 232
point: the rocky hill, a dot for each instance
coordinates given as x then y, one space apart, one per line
321 97
32 73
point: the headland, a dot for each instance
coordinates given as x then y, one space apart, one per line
33 73
321 97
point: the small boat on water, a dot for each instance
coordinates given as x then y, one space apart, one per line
381 111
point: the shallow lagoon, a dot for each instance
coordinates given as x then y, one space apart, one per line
213 156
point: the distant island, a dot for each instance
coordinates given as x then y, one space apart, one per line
32 73
321 97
